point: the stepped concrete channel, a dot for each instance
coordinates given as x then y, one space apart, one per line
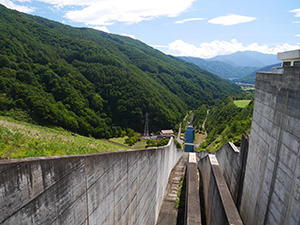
168 212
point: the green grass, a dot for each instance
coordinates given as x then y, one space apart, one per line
241 103
119 140
177 200
22 140
141 144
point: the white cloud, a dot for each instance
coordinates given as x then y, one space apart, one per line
101 28
129 35
107 12
297 11
297 35
188 20
160 46
11 5
231 20
214 48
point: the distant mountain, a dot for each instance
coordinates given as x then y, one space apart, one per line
92 82
247 58
222 69
250 78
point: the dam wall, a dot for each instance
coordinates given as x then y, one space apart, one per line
105 188
218 202
232 162
271 189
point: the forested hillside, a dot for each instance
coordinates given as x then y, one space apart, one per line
92 82
222 69
250 78
225 122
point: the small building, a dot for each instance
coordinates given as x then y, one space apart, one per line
167 133
289 58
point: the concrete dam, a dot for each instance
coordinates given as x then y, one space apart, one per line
256 184
106 188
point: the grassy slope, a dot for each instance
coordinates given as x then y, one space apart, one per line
21 140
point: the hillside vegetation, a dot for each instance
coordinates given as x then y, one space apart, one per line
225 122
22 140
94 83
250 78
222 69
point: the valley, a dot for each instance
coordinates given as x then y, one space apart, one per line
149 113
96 84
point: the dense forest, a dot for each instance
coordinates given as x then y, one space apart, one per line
92 82
225 122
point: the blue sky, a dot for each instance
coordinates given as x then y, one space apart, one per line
182 27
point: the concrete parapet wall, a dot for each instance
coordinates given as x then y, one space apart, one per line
201 154
192 200
219 205
106 188
272 179
232 162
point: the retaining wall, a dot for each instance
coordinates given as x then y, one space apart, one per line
219 205
232 162
229 160
105 188
272 179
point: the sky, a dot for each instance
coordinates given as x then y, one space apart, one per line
198 28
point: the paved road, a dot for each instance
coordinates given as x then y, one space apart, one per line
203 125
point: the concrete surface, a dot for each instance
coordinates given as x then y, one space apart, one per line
168 212
272 178
219 205
192 200
106 188
232 162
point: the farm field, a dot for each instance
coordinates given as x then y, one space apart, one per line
241 103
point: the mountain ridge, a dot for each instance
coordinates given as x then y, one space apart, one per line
247 58
250 78
222 69
92 82
236 65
